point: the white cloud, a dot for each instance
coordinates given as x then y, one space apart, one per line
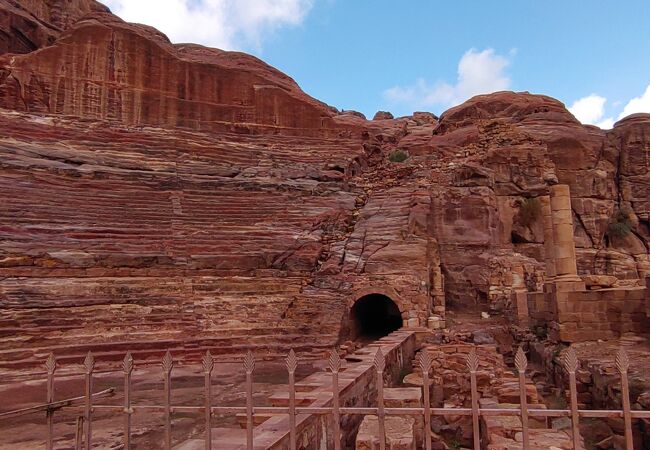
478 73
637 104
591 109
226 24
606 124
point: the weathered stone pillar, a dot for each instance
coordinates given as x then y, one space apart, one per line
563 241
549 245
518 294
647 296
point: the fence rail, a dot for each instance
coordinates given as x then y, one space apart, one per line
335 411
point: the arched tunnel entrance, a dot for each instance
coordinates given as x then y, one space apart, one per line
374 316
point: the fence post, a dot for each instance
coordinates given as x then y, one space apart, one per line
571 366
249 366
472 365
167 365
380 365
127 367
623 365
425 366
292 364
208 366
521 363
89 366
335 367
50 365
78 437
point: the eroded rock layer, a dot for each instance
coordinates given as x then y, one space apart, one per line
104 68
156 195
163 235
27 25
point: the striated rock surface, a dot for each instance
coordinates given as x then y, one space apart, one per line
27 25
157 195
183 239
104 68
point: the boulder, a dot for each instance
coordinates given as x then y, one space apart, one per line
383 115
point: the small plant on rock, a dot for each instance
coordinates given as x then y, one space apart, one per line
557 351
530 210
541 332
621 224
398 155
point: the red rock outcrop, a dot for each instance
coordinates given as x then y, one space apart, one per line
155 235
157 195
104 68
27 25
491 153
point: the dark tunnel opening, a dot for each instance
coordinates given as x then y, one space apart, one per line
375 316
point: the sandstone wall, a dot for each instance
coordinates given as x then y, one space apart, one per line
571 315
104 68
148 239
540 309
647 297
604 314
154 239
499 150
157 195
391 250
27 25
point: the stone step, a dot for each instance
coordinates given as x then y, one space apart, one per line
26 358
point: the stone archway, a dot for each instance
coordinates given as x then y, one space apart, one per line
373 316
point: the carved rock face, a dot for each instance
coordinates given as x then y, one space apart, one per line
28 25
106 69
171 192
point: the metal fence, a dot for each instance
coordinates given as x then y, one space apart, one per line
335 411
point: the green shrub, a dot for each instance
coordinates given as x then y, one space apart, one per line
530 209
398 155
618 229
621 224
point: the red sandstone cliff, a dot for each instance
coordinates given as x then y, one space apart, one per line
154 195
516 144
27 25
104 68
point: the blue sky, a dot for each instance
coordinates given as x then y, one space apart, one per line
402 56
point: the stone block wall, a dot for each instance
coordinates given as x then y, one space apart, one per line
586 315
604 314
539 311
358 387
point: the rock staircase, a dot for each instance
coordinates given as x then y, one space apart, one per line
115 239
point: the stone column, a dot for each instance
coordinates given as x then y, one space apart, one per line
519 294
563 241
549 244
647 296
